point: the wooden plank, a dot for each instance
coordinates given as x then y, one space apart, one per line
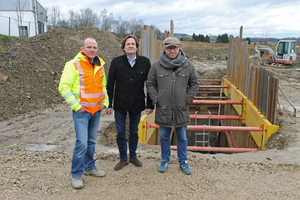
271 100
236 62
142 45
260 89
151 44
166 34
228 74
153 140
150 119
158 49
4 78
272 106
275 97
264 92
267 93
250 83
249 76
267 96
243 70
171 28
230 57
245 67
256 83
241 53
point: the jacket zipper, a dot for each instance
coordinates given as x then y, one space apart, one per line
173 99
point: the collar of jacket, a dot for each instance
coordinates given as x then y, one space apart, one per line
125 55
96 60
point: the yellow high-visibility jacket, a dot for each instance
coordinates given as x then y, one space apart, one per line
84 85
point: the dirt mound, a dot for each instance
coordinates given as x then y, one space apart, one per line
34 66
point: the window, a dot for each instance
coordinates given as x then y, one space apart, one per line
41 28
283 48
23 32
293 46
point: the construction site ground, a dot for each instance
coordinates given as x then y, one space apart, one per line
37 134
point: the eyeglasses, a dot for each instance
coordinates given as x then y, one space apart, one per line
171 48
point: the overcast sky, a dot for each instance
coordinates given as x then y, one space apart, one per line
259 18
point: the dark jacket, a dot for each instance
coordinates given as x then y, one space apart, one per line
125 84
172 92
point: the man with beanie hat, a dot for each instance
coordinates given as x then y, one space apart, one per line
172 84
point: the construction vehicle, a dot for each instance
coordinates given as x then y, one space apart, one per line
285 52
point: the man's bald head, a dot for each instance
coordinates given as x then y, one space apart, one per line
90 48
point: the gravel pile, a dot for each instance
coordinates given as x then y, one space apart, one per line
34 66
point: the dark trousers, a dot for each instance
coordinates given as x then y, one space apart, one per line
134 120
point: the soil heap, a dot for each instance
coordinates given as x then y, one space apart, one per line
34 66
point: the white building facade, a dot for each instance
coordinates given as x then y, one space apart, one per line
22 18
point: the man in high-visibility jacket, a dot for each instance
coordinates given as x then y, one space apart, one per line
83 86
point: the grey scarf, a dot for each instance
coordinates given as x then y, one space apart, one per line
172 63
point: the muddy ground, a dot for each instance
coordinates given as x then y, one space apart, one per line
36 143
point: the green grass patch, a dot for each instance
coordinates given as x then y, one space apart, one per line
5 39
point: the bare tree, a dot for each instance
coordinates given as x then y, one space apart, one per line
19 8
121 28
264 38
73 23
55 17
63 23
134 27
107 21
88 18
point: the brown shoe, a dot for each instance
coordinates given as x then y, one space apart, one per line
136 162
120 165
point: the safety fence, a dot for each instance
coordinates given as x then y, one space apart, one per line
259 84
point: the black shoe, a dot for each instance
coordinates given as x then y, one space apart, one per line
120 165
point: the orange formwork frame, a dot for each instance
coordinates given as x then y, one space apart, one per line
251 116
256 123
214 128
223 129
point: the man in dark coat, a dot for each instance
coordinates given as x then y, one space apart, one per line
125 88
172 84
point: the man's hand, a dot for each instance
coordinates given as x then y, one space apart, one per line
102 107
109 111
148 111
82 109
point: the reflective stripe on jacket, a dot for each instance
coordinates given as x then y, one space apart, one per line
83 85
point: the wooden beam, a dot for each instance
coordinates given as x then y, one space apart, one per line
4 78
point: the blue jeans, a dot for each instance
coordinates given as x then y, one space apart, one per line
134 120
86 129
165 133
